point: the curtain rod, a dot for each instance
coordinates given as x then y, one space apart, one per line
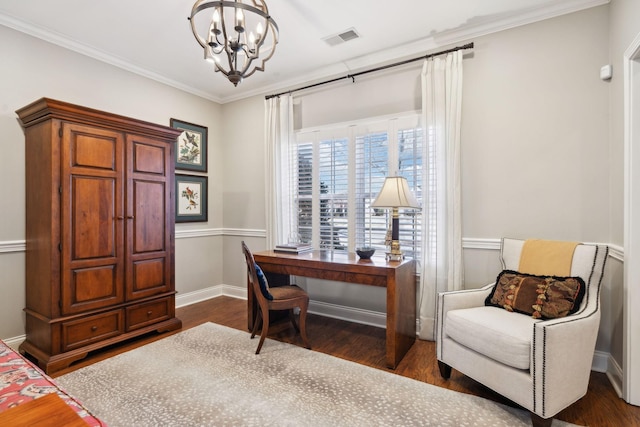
384 67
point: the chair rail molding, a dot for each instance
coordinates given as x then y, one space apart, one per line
615 251
245 232
193 233
10 246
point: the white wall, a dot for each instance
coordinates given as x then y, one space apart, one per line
30 69
535 133
244 184
624 27
536 154
535 146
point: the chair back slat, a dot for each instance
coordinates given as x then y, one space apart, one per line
252 274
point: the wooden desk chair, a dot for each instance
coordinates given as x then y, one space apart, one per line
277 298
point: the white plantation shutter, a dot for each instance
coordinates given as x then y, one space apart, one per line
409 143
340 170
333 185
372 166
302 167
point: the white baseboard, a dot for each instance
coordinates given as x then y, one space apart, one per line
615 375
15 342
182 300
602 362
356 315
199 295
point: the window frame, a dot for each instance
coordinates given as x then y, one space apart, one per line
352 132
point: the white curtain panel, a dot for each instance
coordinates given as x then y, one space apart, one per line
278 131
441 263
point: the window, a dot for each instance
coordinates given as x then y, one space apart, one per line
337 171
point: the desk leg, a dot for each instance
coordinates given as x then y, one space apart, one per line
401 313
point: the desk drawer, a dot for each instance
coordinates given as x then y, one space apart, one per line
366 279
338 276
323 274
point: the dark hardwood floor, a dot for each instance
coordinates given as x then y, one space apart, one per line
364 344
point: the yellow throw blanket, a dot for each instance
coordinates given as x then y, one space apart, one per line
547 257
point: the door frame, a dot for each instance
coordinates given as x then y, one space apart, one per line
631 349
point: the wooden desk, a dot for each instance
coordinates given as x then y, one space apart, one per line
398 277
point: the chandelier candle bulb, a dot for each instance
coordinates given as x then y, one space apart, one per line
239 21
215 20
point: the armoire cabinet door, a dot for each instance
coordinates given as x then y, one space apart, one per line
92 218
149 219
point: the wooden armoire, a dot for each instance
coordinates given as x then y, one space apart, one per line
99 230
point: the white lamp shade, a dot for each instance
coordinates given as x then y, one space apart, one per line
395 193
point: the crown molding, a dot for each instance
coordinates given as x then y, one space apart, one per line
467 31
86 50
495 24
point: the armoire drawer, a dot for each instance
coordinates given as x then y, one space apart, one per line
147 313
81 332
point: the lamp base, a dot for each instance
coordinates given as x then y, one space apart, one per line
395 254
390 256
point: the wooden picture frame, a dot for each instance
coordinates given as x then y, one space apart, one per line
191 198
191 146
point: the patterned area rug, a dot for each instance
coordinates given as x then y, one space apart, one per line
210 376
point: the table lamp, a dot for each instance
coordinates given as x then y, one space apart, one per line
395 194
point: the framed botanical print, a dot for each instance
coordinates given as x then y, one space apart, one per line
191 150
191 198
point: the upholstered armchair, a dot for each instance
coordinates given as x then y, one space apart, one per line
540 360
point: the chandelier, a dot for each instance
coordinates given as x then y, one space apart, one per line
238 36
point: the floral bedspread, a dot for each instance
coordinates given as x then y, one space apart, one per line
21 381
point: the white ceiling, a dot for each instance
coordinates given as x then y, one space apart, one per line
153 37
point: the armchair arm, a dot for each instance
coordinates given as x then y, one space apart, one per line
562 356
468 298
456 300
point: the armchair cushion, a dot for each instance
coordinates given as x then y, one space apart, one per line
493 332
547 297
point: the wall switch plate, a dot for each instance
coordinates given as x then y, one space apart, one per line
606 72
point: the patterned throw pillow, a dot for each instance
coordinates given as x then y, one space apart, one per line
262 281
546 297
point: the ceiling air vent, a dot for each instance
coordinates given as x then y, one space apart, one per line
345 36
